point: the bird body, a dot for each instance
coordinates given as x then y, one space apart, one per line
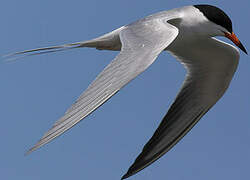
188 33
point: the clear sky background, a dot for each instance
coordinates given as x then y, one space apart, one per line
36 91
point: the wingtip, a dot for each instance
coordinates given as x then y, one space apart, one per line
30 151
129 173
34 148
125 176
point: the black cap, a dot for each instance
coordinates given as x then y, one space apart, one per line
216 15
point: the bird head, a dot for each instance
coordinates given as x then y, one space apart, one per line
222 22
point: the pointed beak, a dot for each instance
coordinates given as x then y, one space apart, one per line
236 41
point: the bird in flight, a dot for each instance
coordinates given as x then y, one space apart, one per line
188 33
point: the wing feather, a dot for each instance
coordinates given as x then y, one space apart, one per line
142 42
209 74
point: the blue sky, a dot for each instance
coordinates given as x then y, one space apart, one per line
36 91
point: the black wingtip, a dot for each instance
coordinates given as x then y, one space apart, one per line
131 171
125 176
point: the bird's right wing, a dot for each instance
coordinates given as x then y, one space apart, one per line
211 65
142 42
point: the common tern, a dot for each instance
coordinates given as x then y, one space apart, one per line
188 33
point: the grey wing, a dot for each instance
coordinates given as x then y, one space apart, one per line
208 77
141 42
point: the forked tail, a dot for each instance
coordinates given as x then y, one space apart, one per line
44 50
109 41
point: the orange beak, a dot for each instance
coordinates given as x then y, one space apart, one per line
236 41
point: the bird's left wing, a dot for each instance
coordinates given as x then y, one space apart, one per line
142 42
211 65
